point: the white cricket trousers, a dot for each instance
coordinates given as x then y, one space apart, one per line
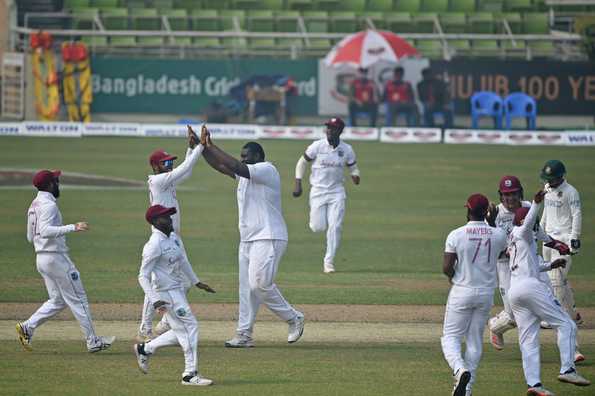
65 289
326 213
258 262
467 312
559 278
503 267
184 329
532 301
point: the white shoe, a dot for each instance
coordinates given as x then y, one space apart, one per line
296 328
141 357
329 268
196 380
101 343
578 357
24 336
497 340
162 327
539 391
241 340
574 378
545 325
462 378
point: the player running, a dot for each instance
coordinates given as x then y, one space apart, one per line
163 274
329 157
162 191
470 264
62 279
531 300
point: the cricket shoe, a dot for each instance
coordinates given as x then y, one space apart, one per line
196 380
578 357
162 327
296 328
328 268
241 340
101 343
462 378
142 357
24 336
497 340
574 378
539 391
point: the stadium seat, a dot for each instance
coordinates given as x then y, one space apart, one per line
216 4
327 5
343 22
150 41
425 22
287 43
490 5
260 21
408 5
135 4
76 4
178 19
513 19
245 4
316 21
82 18
287 20
189 5
459 47
462 5
103 4
429 48
261 43
206 42
115 19
205 20
518 5
400 22
272 4
123 41
486 104
163 5
380 5
542 49
299 4
453 22
511 51
182 41
376 17
536 23
236 44
481 22
519 104
229 18
351 5
95 41
434 5
487 48
145 19
323 44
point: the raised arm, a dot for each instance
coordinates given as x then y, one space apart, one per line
529 223
220 160
184 170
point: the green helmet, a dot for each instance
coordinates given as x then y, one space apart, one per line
552 170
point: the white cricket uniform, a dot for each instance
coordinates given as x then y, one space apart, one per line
62 279
477 246
163 272
162 191
562 220
532 301
263 240
327 192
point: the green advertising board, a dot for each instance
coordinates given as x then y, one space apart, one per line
187 86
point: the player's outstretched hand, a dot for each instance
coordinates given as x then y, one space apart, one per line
538 198
559 263
160 306
205 136
81 226
297 190
492 214
205 287
192 138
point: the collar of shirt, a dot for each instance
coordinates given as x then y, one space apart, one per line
331 146
46 195
160 234
475 222
559 187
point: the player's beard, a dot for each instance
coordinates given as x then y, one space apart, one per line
56 191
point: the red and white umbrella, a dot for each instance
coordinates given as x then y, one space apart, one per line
366 48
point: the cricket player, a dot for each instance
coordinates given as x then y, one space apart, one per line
263 238
532 300
62 279
470 263
329 158
162 191
163 273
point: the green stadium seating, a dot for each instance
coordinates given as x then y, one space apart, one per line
343 22
460 47
216 4
76 4
351 5
260 21
488 48
453 22
520 51
82 18
135 4
377 18
261 43
206 42
327 5
271 4
245 4
518 5
150 41
123 41
400 22
322 44
536 23
434 5
316 21
424 22
300 4
234 43
189 5
163 5
287 20
95 41
230 17
514 21
106 4
178 19
462 5
541 49
288 43
490 5
408 5
183 41
145 19
380 5
205 20
429 48
115 19
481 22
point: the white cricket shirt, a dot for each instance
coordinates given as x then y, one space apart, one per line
327 176
477 246
259 204
504 221
522 248
44 225
562 217
165 263
162 187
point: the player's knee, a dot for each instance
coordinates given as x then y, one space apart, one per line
259 285
317 226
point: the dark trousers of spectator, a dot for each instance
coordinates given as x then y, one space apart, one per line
370 108
430 112
394 109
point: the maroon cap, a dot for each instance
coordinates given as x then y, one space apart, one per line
158 210
44 177
477 203
335 123
159 156
519 215
510 184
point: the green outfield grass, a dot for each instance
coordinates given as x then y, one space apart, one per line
270 369
396 222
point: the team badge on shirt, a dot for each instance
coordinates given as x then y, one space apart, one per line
181 312
74 276
340 153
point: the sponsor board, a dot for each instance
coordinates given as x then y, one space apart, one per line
10 128
580 138
410 135
469 136
360 133
112 129
218 131
53 129
291 132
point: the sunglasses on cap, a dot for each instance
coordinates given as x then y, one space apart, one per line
168 163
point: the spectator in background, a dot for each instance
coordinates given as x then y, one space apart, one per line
363 98
435 98
399 99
